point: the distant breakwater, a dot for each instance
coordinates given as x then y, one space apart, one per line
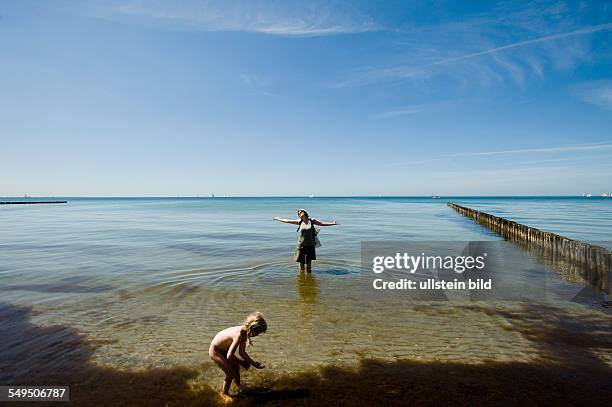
31 202
595 261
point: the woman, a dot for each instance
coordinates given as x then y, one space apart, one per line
305 250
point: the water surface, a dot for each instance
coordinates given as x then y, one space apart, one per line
150 281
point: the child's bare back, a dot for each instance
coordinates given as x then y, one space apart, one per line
224 339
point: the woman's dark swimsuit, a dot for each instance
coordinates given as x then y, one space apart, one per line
305 250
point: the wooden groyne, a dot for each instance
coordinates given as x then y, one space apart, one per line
595 261
31 202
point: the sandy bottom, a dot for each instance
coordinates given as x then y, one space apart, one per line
510 354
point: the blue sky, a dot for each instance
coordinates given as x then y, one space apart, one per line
130 98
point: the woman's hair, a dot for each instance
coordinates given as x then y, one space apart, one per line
303 210
255 323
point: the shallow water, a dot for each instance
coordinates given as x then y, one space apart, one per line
150 281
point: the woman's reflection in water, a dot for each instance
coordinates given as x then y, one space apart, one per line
308 300
308 296
308 289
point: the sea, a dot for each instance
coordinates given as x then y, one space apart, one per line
134 284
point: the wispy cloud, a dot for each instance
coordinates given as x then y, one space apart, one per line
415 109
283 18
258 84
508 44
544 150
598 93
408 110
365 76
561 149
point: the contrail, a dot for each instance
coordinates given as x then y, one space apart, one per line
582 31
563 149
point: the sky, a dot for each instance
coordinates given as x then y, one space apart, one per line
331 98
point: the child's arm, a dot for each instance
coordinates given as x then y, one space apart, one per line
236 342
247 358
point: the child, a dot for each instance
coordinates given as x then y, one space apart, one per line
225 343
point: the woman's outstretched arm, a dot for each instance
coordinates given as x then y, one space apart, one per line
293 222
317 222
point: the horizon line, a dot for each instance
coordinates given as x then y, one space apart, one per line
290 196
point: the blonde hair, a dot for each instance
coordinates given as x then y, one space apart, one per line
255 323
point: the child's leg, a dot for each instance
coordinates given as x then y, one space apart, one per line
308 266
237 375
227 368
301 267
227 383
